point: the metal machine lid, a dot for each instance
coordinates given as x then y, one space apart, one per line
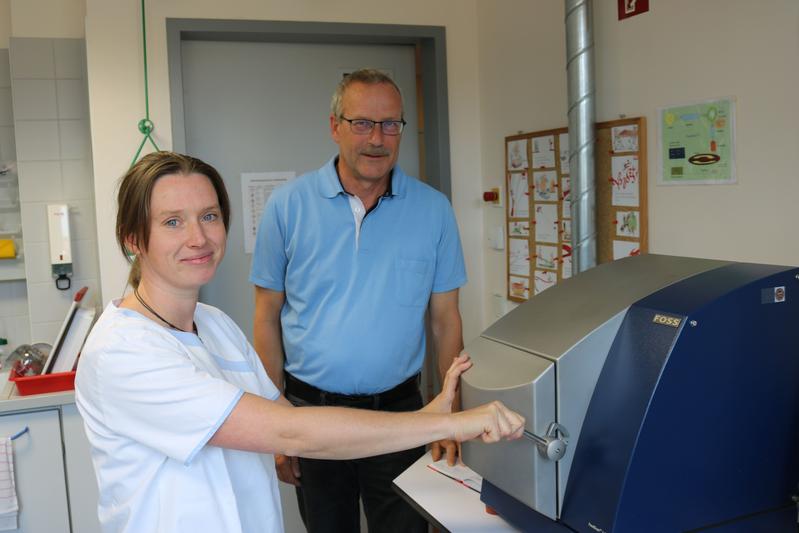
554 320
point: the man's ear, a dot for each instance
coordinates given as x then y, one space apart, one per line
334 126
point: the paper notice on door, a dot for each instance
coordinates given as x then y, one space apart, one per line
255 190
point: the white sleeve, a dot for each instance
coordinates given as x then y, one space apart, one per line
149 391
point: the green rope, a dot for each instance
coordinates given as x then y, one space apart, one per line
145 125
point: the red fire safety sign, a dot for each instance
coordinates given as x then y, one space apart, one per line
630 8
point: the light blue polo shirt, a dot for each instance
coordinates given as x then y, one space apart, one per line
353 320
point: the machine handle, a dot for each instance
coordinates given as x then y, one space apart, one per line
553 445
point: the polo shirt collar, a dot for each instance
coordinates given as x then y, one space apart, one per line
330 184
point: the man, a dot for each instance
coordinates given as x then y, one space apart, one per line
347 261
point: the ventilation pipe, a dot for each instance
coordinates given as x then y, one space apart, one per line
580 80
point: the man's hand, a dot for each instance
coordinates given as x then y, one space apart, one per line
288 469
451 448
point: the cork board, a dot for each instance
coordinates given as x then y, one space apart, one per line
538 202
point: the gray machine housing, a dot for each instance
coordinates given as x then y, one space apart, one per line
543 360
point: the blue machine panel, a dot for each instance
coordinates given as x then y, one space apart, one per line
690 426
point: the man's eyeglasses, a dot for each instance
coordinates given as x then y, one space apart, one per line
362 126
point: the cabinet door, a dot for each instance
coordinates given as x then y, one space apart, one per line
39 471
81 481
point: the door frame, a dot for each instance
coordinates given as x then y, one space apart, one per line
431 41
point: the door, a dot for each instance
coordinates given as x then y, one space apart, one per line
264 107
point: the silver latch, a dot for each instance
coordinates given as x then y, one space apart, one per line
553 445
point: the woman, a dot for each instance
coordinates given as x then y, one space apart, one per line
177 406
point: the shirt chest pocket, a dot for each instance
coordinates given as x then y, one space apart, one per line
413 281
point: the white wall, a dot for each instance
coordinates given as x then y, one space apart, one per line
5 23
117 100
679 52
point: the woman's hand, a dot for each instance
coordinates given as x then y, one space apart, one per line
443 402
490 422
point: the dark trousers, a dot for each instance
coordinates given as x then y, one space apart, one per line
328 497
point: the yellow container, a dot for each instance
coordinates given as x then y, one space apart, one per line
7 249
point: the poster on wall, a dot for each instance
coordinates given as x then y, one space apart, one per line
697 143
519 257
519 287
518 195
517 155
624 179
256 187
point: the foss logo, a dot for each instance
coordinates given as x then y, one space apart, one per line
664 320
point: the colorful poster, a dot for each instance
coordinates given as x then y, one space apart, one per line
544 152
546 256
625 138
545 186
518 195
698 143
518 229
519 257
544 279
519 287
627 224
546 223
563 148
565 194
625 249
624 180
517 155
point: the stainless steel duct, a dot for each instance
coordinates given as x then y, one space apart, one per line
580 80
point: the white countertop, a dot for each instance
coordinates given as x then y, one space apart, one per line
445 502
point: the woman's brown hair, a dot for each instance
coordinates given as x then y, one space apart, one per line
135 191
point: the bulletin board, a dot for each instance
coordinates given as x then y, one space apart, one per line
538 202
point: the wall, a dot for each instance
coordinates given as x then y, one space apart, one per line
48 82
5 23
14 325
522 50
117 100
679 52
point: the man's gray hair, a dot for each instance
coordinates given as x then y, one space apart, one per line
369 76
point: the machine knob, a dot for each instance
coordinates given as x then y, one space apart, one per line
553 445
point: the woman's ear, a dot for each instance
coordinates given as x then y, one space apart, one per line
131 247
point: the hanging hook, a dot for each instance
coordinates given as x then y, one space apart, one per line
19 433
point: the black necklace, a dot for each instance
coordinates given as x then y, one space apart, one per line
164 320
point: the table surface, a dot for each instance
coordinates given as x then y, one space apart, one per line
444 502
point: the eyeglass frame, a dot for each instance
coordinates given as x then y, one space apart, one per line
373 123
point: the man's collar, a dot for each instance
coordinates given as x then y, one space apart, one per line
330 185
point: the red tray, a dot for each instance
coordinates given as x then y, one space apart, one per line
60 381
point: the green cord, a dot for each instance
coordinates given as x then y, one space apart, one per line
145 125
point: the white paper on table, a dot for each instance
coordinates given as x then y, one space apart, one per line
256 187
460 473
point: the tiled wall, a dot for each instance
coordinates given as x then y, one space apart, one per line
14 324
51 120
